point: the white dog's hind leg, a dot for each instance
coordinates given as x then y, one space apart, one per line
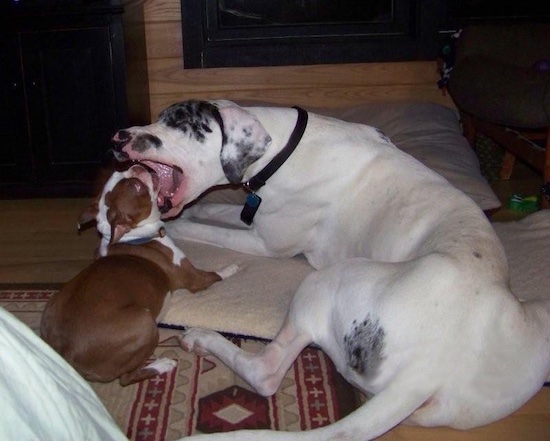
382 412
263 371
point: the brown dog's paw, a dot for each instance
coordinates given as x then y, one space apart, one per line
228 271
157 367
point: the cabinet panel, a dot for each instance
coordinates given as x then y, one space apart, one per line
241 33
63 82
15 158
72 109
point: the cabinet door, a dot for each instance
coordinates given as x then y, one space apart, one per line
15 156
72 102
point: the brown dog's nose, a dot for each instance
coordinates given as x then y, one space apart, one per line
120 139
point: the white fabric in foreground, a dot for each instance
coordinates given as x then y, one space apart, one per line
254 301
42 396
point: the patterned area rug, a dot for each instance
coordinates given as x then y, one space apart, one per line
202 395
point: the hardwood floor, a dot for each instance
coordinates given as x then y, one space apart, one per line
40 243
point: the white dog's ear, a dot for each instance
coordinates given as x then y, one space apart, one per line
244 141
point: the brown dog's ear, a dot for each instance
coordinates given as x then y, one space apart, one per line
88 215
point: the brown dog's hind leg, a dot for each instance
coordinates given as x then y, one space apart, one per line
157 367
132 337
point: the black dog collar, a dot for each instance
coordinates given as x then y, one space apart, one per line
253 201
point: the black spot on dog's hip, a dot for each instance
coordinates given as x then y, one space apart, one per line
364 345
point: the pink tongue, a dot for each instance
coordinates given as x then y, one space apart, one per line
164 173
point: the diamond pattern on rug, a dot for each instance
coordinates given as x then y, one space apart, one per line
232 414
232 409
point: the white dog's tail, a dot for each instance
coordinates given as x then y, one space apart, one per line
378 415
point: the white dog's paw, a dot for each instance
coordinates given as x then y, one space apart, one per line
193 340
162 365
228 271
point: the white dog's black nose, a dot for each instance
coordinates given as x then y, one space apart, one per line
120 139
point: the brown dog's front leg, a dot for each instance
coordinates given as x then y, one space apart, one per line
188 277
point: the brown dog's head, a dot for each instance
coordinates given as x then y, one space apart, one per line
127 206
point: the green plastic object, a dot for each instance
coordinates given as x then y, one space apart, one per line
525 204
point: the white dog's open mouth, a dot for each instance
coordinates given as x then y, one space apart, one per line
170 183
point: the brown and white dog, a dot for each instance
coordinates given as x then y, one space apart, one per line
104 320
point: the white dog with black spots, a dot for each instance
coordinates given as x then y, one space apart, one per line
411 299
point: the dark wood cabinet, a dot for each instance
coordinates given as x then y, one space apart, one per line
14 146
63 94
239 33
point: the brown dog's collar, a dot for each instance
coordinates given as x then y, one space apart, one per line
141 240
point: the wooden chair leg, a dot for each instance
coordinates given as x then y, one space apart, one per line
507 166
